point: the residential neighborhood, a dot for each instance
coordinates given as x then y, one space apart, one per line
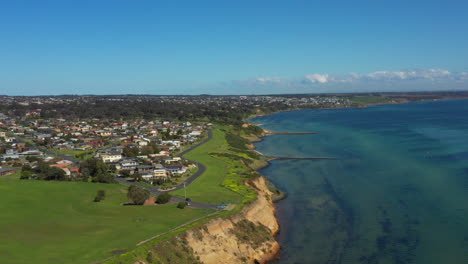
144 149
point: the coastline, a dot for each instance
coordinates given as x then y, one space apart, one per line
253 116
267 132
281 194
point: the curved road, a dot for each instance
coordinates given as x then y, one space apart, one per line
189 180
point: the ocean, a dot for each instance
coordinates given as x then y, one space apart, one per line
396 192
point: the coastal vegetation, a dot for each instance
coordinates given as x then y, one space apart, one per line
227 160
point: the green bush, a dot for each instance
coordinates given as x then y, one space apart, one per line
253 130
101 194
181 205
236 141
25 175
163 198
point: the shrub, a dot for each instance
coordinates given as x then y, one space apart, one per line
150 257
101 194
25 175
181 205
163 198
236 141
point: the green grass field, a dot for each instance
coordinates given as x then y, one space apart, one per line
219 183
57 222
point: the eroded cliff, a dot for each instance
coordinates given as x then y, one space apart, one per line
246 237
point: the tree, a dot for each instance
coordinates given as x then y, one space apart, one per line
129 151
155 147
104 178
97 169
125 173
137 194
55 173
112 168
137 177
94 166
146 150
163 198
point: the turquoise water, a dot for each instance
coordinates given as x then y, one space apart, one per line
396 193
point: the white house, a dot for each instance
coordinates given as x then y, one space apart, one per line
111 157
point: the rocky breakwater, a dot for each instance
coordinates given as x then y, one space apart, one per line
246 237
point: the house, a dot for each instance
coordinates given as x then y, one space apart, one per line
161 154
11 153
195 133
128 164
145 169
141 143
111 157
147 176
60 165
31 152
176 169
160 174
175 143
172 160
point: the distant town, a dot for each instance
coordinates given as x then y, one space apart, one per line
140 135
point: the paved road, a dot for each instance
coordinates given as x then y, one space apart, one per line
192 178
201 167
154 191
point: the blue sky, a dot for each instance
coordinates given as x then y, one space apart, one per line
231 47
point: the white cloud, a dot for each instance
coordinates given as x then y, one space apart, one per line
317 78
404 80
428 74
268 80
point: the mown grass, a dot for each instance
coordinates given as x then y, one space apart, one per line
58 222
208 188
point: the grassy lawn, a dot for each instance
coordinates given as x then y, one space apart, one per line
57 222
219 183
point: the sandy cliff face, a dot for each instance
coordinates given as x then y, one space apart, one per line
247 237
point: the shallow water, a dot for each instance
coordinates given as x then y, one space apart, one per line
397 192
